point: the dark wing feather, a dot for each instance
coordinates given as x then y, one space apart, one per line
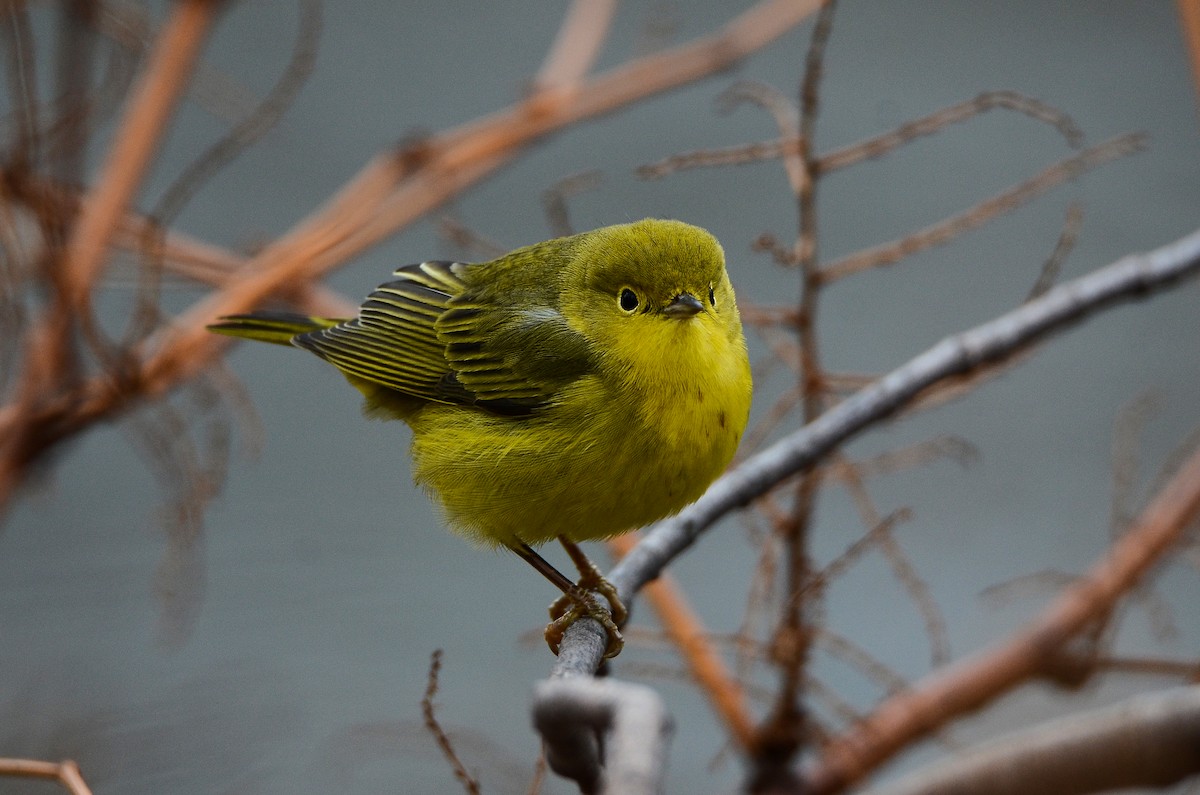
519 358
427 334
393 341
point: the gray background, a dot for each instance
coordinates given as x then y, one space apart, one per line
329 578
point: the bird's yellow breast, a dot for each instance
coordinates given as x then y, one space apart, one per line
621 448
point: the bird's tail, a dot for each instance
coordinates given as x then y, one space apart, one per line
279 328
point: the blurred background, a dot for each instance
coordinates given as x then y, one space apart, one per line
324 580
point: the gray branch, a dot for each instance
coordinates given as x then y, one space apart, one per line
1147 741
608 736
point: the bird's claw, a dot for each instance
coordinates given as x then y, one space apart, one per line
579 603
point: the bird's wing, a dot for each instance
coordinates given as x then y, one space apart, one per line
511 359
428 335
393 341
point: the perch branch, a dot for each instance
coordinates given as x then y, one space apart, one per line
609 736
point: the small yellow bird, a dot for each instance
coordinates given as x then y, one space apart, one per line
574 389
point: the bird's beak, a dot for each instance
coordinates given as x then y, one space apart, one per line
683 306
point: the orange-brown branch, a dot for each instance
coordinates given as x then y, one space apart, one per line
686 632
973 682
65 773
1189 17
153 99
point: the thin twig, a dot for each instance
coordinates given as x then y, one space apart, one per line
940 119
556 197
977 680
17 33
782 110
790 142
248 130
902 569
1062 249
954 448
183 255
726 156
973 217
539 776
443 740
1125 459
471 242
783 732
854 655
1148 741
851 554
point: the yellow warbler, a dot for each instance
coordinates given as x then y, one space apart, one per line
573 389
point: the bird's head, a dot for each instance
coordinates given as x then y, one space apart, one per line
652 292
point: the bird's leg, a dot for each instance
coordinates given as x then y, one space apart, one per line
575 602
590 579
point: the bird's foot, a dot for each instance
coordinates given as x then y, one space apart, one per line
579 603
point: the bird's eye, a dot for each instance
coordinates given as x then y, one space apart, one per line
712 297
628 300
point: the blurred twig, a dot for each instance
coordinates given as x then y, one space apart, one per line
555 200
981 213
954 114
470 785
65 773
153 99
970 683
1062 249
791 143
1189 17
902 568
783 731
1149 741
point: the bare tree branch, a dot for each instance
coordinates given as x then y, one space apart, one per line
970 683
153 100
580 39
974 217
1147 741
445 745
609 736
65 773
